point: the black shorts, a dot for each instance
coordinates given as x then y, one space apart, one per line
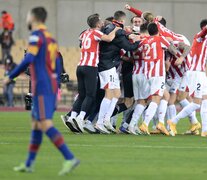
127 84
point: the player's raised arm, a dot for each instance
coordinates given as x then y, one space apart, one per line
133 10
110 36
202 33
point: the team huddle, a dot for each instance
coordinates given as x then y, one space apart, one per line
142 70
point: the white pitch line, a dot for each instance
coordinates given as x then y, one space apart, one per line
127 146
139 146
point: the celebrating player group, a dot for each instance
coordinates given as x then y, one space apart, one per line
142 70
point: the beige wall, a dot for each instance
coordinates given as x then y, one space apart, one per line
67 18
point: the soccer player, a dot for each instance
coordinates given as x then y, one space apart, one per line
197 80
109 78
140 85
154 69
45 71
87 70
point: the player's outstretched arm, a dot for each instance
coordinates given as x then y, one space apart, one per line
110 36
29 58
133 10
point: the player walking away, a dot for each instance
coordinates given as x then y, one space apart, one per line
109 78
87 70
154 69
45 74
197 81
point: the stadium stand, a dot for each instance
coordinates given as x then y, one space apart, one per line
71 57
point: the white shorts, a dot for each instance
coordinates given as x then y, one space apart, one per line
140 86
109 79
205 86
193 82
172 85
157 85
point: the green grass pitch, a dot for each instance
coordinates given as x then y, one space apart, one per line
107 157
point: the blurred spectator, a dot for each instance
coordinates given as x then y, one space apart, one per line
7 21
8 88
6 41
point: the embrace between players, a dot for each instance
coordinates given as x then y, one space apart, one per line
157 68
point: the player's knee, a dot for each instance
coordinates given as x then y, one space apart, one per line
46 124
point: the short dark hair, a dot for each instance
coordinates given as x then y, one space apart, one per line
109 18
152 29
143 28
203 23
3 12
93 20
163 21
40 13
118 15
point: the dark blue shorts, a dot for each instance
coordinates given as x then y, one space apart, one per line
44 107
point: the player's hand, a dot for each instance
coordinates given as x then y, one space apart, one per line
159 18
179 61
127 7
6 80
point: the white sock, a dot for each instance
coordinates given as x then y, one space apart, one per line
204 115
103 109
171 111
111 108
186 111
73 114
191 116
137 114
162 109
150 112
184 103
82 115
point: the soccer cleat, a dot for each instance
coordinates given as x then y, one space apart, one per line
123 130
162 129
204 134
137 130
68 122
109 126
188 132
68 166
101 128
22 168
131 130
195 127
172 128
88 126
78 123
144 129
156 131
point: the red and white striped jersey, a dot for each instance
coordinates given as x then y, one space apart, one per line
163 31
153 53
199 51
90 47
179 71
138 59
138 62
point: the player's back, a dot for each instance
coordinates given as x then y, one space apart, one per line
153 54
43 69
90 47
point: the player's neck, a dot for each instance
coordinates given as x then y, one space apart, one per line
36 25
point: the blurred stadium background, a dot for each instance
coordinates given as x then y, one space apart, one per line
67 18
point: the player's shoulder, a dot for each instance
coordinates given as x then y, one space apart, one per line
34 37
